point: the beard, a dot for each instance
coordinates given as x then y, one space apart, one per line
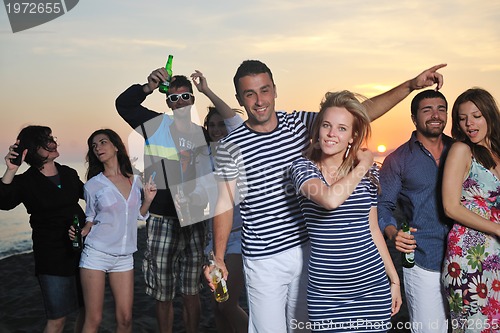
431 132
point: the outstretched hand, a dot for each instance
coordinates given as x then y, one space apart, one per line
428 78
199 81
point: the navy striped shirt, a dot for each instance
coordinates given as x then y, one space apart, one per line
259 162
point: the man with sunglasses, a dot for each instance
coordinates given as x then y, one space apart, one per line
177 153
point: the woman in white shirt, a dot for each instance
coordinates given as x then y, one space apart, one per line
116 199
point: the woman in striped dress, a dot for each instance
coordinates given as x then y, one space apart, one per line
353 284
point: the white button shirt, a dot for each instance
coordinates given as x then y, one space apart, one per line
115 218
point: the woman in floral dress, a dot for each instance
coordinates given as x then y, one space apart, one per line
471 196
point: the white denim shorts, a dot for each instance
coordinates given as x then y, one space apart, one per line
108 263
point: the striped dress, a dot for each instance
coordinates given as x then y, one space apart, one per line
348 288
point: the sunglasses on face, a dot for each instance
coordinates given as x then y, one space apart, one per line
175 97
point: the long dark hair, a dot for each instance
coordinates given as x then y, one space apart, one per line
95 166
486 103
32 138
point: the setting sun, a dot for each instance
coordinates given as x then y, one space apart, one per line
381 148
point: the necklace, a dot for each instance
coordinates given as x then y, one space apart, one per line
330 177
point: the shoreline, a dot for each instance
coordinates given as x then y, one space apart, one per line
27 252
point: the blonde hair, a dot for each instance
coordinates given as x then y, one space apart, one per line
361 130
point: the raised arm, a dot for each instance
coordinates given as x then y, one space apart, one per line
201 84
12 168
129 103
379 105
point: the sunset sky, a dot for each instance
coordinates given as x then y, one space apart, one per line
67 73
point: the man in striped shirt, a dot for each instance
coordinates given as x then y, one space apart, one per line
255 158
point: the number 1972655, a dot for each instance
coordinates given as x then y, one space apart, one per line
33 8
474 324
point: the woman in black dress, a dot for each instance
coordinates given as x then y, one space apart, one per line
50 192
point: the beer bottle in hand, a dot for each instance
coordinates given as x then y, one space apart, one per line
220 292
184 213
77 241
407 259
164 86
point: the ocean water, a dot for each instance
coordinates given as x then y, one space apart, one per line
15 230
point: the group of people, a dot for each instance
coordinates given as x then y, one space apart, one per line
298 210
447 189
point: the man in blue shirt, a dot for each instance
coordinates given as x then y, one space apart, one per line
411 177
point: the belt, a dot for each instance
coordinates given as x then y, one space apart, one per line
163 216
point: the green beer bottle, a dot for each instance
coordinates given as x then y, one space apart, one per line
163 87
77 241
407 259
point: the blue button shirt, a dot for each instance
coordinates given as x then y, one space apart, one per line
410 179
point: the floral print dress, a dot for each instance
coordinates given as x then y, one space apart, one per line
471 270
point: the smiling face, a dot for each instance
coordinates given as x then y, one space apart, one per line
473 123
181 107
103 148
431 116
336 131
257 95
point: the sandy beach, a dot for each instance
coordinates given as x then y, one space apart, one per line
21 308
